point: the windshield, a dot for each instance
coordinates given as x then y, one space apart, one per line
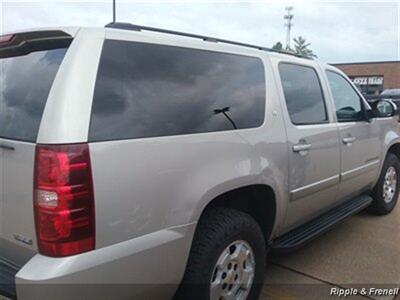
25 83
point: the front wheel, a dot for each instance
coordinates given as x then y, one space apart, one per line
227 258
386 191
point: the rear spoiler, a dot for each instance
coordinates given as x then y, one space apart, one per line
26 42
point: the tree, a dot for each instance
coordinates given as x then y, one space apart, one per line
278 46
301 47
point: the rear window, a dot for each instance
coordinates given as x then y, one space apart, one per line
148 90
25 83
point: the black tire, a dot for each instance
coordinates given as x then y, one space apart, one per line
379 206
217 229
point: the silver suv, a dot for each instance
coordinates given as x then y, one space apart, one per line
149 164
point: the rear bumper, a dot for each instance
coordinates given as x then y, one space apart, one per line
8 270
147 267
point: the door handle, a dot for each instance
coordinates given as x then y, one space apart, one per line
349 140
301 147
7 147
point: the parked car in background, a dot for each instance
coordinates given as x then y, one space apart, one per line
142 163
370 98
392 94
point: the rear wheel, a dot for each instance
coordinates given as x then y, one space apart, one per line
386 191
227 259
233 274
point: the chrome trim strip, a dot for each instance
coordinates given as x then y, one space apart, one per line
358 171
313 187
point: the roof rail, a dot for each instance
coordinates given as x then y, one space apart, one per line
134 27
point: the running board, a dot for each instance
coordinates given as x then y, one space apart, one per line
305 233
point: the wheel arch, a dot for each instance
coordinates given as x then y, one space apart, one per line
390 147
257 200
395 149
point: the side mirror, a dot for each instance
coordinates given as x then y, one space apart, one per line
383 109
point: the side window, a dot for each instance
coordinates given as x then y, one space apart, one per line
148 90
347 101
303 94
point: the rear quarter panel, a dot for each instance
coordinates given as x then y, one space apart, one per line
144 185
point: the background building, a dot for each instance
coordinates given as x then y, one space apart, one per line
373 77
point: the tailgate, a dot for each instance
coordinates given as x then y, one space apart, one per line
17 230
28 65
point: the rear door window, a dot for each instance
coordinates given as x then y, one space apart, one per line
303 94
25 83
148 90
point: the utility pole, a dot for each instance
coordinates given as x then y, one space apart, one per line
288 17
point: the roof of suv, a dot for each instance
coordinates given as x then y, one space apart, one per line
170 33
139 28
72 30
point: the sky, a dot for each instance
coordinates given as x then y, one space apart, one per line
339 31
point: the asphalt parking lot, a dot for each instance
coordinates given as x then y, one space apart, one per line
363 251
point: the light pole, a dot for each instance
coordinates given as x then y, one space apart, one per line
114 12
288 17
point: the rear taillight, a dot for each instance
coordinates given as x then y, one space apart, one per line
64 200
6 39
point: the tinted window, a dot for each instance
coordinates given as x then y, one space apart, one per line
147 90
303 94
347 101
25 82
